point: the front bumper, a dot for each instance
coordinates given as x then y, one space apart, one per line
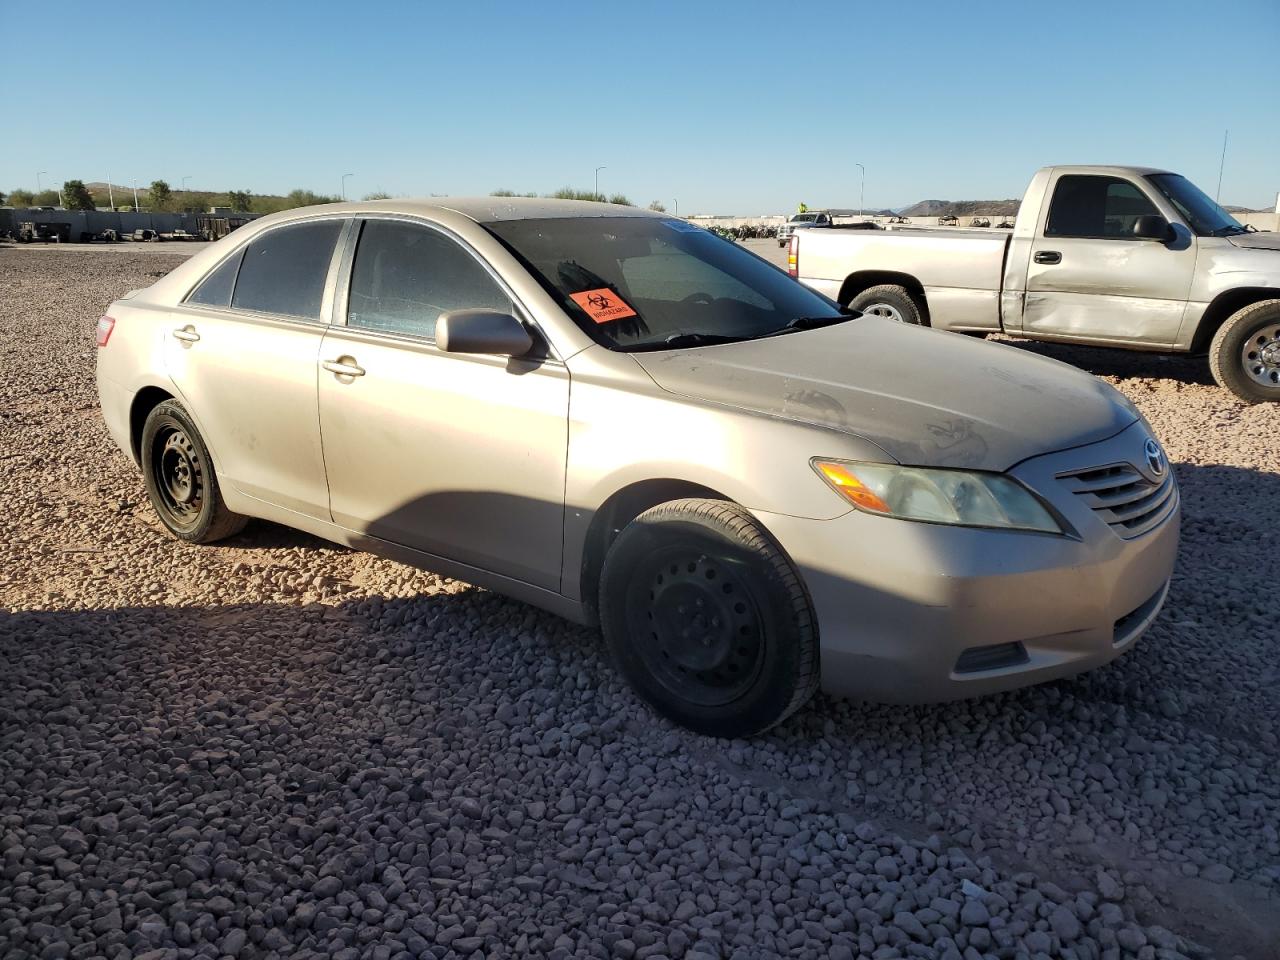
914 612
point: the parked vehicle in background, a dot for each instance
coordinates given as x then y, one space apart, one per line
948 220
1005 224
30 231
980 222
1127 257
803 221
897 220
749 489
144 235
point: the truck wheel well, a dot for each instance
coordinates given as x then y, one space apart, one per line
1224 305
615 513
855 283
144 401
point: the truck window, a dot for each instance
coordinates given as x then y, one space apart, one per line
1095 206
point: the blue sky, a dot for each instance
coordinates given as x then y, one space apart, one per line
735 107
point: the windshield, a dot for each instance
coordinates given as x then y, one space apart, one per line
804 218
650 283
1204 216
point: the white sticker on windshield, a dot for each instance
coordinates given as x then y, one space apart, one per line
681 226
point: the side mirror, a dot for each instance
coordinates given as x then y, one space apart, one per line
1152 226
482 331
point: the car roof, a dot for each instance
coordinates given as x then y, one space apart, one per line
484 209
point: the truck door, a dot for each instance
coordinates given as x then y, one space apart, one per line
1090 278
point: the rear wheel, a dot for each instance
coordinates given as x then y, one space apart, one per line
180 480
708 620
890 301
1245 354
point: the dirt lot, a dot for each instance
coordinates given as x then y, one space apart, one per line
278 747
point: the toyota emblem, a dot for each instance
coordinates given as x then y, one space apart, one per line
1155 458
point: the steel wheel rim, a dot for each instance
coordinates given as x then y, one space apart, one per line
1260 355
701 635
888 311
178 475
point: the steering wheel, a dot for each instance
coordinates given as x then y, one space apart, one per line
698 298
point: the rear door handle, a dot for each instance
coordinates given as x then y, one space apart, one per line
186 334
1047 256
343 367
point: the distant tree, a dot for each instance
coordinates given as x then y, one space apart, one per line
160 195
45 198
306 198
621 198
568 193
3 201
657 207
502 193
377 195
22 198
239 199
76 196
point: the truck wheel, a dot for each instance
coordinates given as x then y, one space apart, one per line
1245 354
708 620
891 302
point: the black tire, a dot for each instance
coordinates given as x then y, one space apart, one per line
1244 356
891 301
708 620
180 479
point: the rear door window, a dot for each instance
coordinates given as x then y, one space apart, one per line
284 271
406 275
1096 206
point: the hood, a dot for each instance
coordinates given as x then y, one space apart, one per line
925 397
1256 241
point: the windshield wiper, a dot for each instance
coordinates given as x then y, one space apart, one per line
809 323
678 340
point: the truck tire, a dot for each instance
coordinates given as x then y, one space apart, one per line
890 301
708 620
1245 354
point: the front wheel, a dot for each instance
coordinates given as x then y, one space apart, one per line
708 620
1245 354
181 484
890 301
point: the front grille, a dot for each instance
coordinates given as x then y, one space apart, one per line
1126 501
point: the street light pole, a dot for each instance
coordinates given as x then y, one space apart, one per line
596 190
39 185
111 197
344 184
135 195
862 192
676 204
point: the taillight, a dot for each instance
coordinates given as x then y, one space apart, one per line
793 256
105 326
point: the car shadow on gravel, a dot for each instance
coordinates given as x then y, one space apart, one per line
1123 364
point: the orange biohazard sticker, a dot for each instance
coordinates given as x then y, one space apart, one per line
603 305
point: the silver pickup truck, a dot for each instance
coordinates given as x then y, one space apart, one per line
1124 257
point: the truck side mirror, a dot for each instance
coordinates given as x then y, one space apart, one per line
1152 226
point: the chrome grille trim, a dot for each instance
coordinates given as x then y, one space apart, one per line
1124 498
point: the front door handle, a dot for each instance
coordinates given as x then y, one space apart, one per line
186 334
343 367
1047 256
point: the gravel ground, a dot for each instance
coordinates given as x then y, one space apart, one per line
280 748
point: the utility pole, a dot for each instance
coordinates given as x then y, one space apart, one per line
344 184
111 197
596 190
862 192
135 196
676 204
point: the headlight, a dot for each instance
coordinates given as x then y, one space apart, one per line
959 497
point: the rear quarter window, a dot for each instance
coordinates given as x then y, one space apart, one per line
215 289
